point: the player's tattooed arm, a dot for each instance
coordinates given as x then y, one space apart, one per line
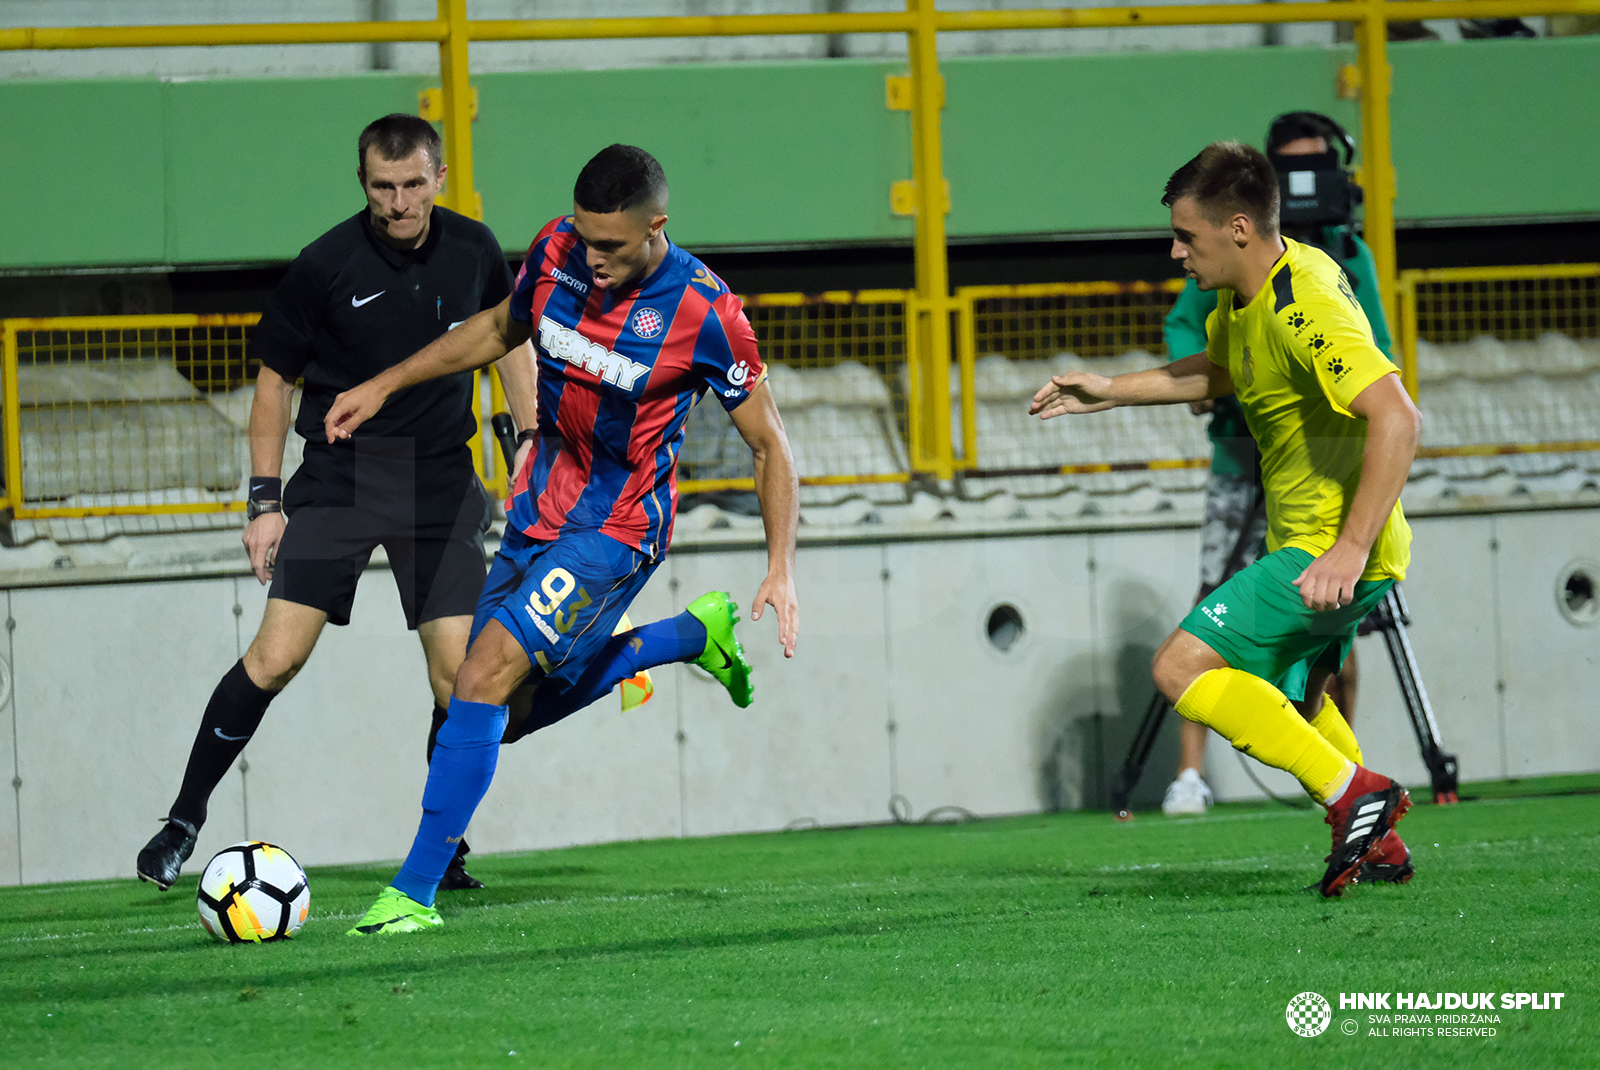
1194 378
481 340
271 412
1394 426
778 491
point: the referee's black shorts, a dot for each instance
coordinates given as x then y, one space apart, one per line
428 513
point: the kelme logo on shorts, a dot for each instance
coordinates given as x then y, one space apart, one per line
566 344
1308 1014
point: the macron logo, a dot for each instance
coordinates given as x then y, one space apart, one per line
544 629
567 280
567 344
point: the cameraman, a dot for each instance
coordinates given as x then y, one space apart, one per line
1319 200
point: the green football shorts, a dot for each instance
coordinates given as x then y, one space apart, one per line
1258 623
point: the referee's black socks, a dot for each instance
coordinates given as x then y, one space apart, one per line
440 715
231 718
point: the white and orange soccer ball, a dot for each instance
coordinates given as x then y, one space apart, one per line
253 891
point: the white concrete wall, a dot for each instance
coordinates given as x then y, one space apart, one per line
896 690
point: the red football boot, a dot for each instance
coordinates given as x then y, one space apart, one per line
1368 809
1390 863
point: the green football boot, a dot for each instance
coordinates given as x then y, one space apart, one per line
396 912
723 657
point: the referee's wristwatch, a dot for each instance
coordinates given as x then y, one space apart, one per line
253 508
266 496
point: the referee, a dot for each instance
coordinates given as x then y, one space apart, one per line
363 297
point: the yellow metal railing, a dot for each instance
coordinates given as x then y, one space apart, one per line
932 307
1520 304
1540 394
146 415
1509 303
1038 321
839 367
141 415
112 414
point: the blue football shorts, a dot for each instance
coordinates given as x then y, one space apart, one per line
561 598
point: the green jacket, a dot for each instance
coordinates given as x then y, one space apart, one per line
1233 451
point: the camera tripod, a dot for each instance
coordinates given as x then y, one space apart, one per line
1391 618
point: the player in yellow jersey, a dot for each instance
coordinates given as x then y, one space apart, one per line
1337 433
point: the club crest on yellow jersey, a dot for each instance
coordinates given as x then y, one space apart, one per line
1247 369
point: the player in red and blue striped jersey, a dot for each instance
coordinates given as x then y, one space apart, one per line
629 332
618 374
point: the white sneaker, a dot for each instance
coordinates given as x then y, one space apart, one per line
1189 794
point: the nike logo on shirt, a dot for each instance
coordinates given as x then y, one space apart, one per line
355 303
222 735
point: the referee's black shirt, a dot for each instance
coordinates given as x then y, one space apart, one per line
352 306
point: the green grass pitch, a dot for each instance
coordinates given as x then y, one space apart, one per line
1051 941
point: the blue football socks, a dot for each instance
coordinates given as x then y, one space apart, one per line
680 638
458 776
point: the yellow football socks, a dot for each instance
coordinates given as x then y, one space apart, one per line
1256 718
1336 730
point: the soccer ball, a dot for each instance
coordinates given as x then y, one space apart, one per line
253 891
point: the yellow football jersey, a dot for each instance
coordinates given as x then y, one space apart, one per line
1299 353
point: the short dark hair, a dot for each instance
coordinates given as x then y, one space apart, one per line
1225 179
398 135
620 177
1294 125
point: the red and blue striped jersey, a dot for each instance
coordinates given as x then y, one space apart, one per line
618 374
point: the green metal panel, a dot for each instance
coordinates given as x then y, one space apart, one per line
84 165
768 153
256 169
1497 128
143 172
1084 143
